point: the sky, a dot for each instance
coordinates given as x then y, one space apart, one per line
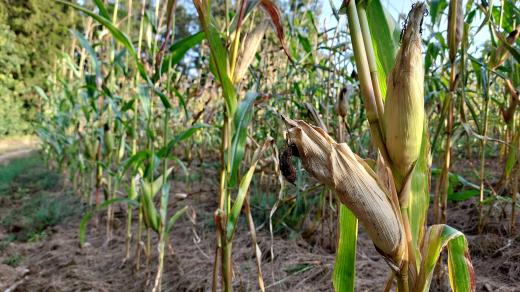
397 7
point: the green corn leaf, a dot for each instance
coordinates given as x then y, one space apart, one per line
512 157
182 102
237 206
145 99
105 21
420 196
242 118
219 56
135 160
242 191
460 269
462 276
86 218
306 44
164 99
179 49
344 275
102 9
385 38
437 7
463 195
86 45
151 189
165 195
116 33
179 138
150 214
41 93
174 218
129 105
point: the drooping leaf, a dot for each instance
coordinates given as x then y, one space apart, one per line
460 269
462 276
274 13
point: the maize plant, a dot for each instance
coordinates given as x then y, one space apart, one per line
142 101
149 167
383 199
229 66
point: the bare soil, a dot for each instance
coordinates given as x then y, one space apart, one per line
58 263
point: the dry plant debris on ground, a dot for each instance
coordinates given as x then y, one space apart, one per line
57 263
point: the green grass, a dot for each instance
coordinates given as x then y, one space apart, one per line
14 168
13 260
33 199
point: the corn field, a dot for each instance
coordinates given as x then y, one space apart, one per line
268 145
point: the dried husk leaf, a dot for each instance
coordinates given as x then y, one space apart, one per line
357 186
249 47
404 106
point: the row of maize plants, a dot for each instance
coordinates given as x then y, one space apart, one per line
123 112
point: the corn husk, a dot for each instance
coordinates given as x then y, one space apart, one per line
356 185
404 106
249 47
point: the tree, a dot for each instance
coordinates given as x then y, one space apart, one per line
32 35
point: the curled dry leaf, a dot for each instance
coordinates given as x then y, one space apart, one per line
275 16
248 50
356 185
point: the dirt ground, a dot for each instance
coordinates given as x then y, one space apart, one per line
56 262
